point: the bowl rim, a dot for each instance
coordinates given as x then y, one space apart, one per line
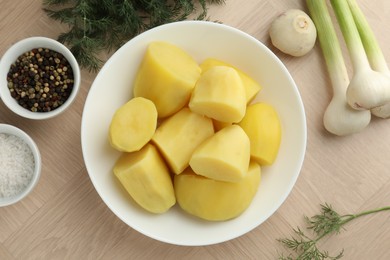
27 44
13 130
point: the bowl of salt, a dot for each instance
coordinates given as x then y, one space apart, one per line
20 164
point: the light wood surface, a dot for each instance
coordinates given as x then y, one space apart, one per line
64 218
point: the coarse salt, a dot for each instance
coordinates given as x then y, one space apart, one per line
16 165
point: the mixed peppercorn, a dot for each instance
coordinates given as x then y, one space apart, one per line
40 80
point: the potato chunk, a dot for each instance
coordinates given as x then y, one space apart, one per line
224 156
250 85
133 125
219 94
146 178
216 200
167 76
263 127
179 135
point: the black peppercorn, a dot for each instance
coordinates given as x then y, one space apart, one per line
40 80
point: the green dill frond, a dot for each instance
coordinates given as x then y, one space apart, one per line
57 2
87 51
64 15
71 36
97 27
291 243
328 222
105 25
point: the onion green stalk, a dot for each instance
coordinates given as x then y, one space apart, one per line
339 117
370 43
373 51
368 88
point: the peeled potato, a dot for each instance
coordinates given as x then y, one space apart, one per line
146 178
133 125
262 125
250 85
219 94
179 135
216 200
167 76
224 156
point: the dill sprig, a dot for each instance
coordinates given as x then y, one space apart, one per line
328 222
97 26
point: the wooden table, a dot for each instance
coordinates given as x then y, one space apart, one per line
64 218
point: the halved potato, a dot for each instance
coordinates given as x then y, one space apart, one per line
262 125
179 135
167 76
133 125
224 156
216 200
250 85
146 178
220 95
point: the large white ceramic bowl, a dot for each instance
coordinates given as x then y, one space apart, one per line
113 87
27 45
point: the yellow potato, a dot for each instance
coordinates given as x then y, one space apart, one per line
216 200
263 127
219 94
133 125
179 135
224 156
250 85
167 76
146 178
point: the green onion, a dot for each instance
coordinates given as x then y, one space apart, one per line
351 35
329 44
370 43
339 117
368 88
373 51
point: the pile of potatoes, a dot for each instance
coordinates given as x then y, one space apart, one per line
192 135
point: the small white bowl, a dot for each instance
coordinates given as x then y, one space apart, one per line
10 57
12 130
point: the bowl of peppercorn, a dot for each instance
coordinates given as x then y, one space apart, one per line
39 78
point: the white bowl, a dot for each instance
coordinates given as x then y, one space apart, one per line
12 130
113 87
10 57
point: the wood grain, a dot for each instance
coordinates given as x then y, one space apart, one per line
64 218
